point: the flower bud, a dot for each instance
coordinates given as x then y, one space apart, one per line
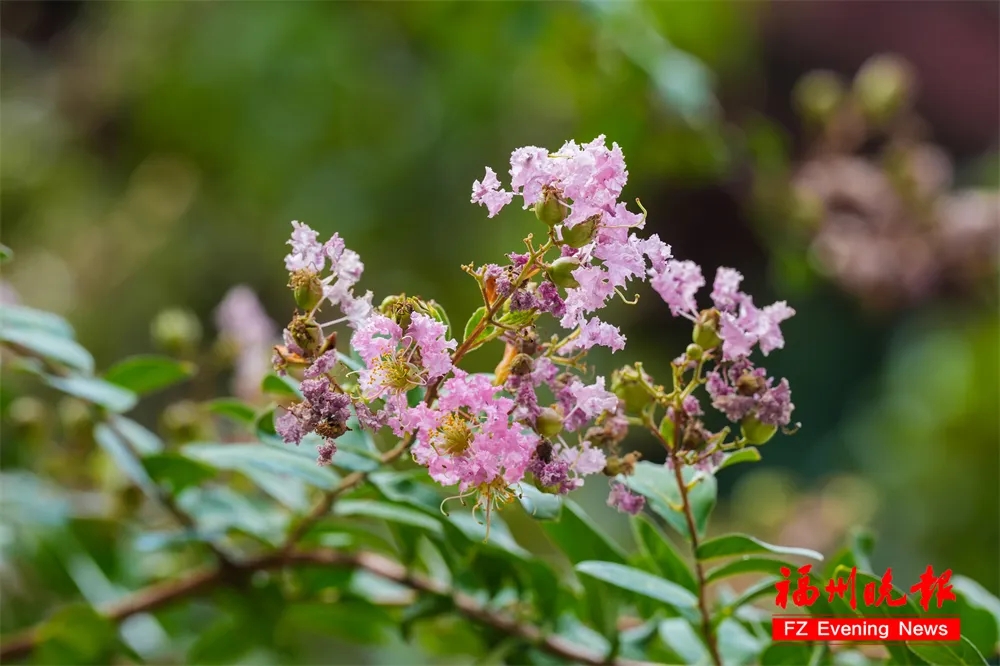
306 334
631 386
550 210
818 95
706 329
307 288
756 432
549 422
667 429
176 331
883 87
581 234
694 352
561 272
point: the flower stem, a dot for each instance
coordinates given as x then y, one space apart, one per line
706 617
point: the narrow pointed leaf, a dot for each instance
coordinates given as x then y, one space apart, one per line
660 555
639 582
742 544
947 653
145 374
747 564
95 390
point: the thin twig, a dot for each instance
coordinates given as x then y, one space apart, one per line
706 616
199 582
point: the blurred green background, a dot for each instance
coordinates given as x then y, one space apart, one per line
153 155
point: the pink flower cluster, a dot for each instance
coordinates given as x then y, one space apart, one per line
587 180
487 434
742 325
308 254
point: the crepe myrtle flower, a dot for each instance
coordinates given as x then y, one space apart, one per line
397 360
735 321
746 395
324 411
584 402
308 261
560 468
575 190
468 439
625 500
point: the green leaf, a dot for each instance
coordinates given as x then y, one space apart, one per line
736 644
941 653
407 488
284 387
21 317
639 582
749 454
356 451
6 254
659 554
234 409
979 612
263 427
755 591
176 472
747 564
539 505
249 458
121 451
678 634
786 654
49 345
96 391
143 440
499 537
742 544
145 374
518 318
659 486
218 509
580 538
470 327
393 513
76 634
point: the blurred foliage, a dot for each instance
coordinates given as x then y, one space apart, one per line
153 154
